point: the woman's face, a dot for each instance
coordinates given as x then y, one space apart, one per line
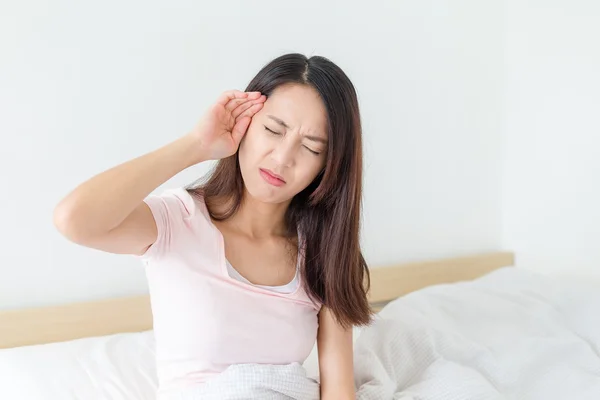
285 146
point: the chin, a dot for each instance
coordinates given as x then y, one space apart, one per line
266 194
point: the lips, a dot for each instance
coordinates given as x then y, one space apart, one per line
271 177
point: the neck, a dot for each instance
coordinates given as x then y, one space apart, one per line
258 219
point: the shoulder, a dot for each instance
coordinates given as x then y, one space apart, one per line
179 214
179 202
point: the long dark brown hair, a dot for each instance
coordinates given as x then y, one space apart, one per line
327 212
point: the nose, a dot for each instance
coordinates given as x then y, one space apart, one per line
283 153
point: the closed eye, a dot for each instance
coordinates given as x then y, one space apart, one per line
316 153
272 131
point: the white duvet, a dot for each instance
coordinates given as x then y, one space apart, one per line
255 381
509 335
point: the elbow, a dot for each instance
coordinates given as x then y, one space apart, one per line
66 222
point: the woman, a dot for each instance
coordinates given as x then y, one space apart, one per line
263 258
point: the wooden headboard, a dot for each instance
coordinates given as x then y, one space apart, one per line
133 314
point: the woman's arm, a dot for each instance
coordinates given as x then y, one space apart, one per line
336 367
107 212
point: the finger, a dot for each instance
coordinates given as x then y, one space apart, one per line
253 95
241 108
234 103
240 128
244 106
250 112
231 94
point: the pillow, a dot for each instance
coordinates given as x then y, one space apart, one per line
115 367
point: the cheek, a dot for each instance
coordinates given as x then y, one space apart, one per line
257 139
249 144
308 170
253 150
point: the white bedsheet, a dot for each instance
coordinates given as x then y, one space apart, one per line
115 367
509 335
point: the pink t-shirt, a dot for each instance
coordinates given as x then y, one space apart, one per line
204 320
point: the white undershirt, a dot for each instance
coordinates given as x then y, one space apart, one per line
288 288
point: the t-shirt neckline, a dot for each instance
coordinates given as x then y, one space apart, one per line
225 273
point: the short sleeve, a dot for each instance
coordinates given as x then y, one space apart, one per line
170 210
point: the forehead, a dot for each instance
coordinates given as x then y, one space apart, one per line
299 106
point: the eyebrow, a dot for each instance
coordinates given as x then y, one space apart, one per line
309 137
280 122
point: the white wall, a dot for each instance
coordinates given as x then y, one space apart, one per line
87 85
552 170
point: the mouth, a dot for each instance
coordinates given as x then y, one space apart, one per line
271 177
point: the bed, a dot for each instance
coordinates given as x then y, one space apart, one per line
469 328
